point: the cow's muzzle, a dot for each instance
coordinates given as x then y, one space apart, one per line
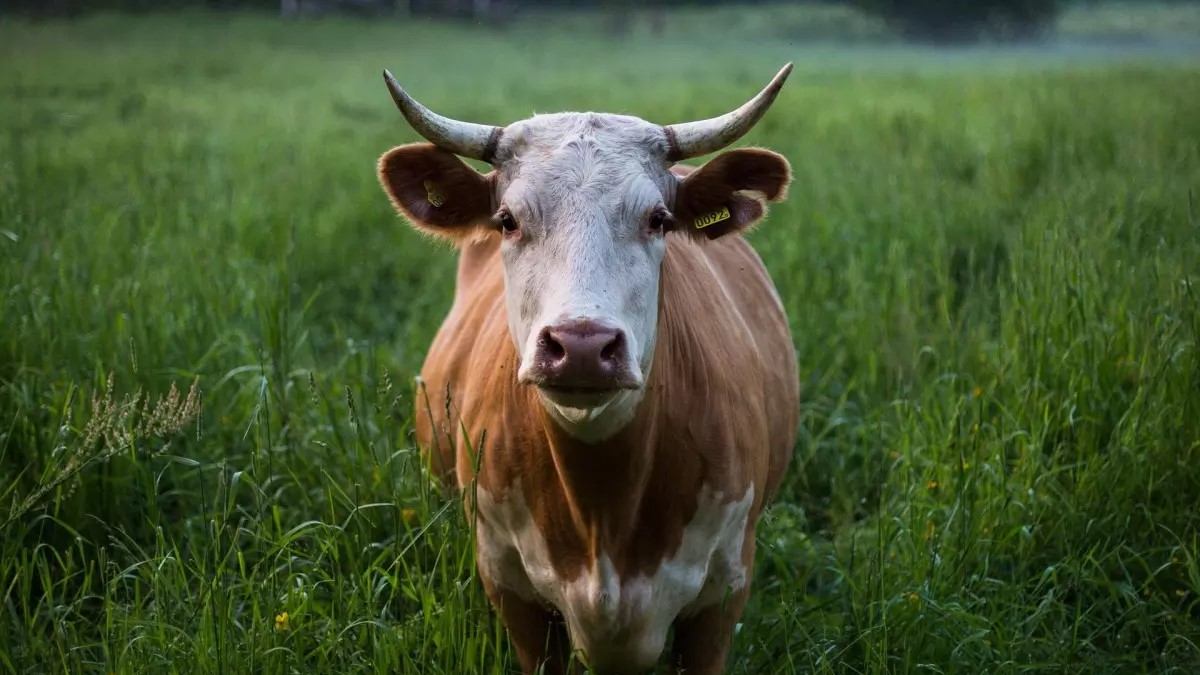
582 358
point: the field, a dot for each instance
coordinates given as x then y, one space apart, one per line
990 263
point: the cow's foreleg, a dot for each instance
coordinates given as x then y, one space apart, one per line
535 634
702 640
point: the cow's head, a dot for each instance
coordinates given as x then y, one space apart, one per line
583 204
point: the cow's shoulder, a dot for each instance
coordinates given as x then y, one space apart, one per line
470 359
727 353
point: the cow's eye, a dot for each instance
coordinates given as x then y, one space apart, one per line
660 220
508 222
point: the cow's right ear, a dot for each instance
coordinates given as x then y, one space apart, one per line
439 193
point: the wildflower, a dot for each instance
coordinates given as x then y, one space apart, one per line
966 465
912 597
987 530
892 555
932 485
928 530
282 622
894 454
409 516
1181 593
977 392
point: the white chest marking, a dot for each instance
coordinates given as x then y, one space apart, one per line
618 623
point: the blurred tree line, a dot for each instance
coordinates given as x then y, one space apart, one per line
965 20
925 20
411 7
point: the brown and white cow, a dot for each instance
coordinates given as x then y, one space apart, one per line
620 358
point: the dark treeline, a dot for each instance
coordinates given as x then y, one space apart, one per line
959 20
419 7
411 7
930 20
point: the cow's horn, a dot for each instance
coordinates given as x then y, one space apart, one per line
476 141
693 139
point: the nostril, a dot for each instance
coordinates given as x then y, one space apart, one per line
614 349
551 347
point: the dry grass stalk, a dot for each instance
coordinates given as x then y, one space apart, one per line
131 424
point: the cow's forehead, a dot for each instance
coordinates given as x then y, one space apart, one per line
605 133
583 154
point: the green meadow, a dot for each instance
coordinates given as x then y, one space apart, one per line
210 321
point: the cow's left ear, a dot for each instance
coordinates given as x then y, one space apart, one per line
439 193
730 193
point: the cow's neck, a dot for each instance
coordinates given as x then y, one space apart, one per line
604 482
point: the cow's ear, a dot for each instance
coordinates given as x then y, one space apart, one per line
730 193
439 193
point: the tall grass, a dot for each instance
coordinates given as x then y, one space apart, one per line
990 269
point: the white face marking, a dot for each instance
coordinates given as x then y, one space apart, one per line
582 188
618 624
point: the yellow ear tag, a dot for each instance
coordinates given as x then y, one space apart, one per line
715 217
433 195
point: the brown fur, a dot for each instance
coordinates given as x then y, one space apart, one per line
720 410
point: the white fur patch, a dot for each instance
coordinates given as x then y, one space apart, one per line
618 624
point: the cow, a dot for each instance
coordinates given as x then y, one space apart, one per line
614 389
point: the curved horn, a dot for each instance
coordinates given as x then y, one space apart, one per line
476 141
693 139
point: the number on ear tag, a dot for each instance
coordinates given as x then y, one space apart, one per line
715 217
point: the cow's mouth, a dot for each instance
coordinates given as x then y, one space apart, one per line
575 390
583 396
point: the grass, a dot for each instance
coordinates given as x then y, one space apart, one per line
990 268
